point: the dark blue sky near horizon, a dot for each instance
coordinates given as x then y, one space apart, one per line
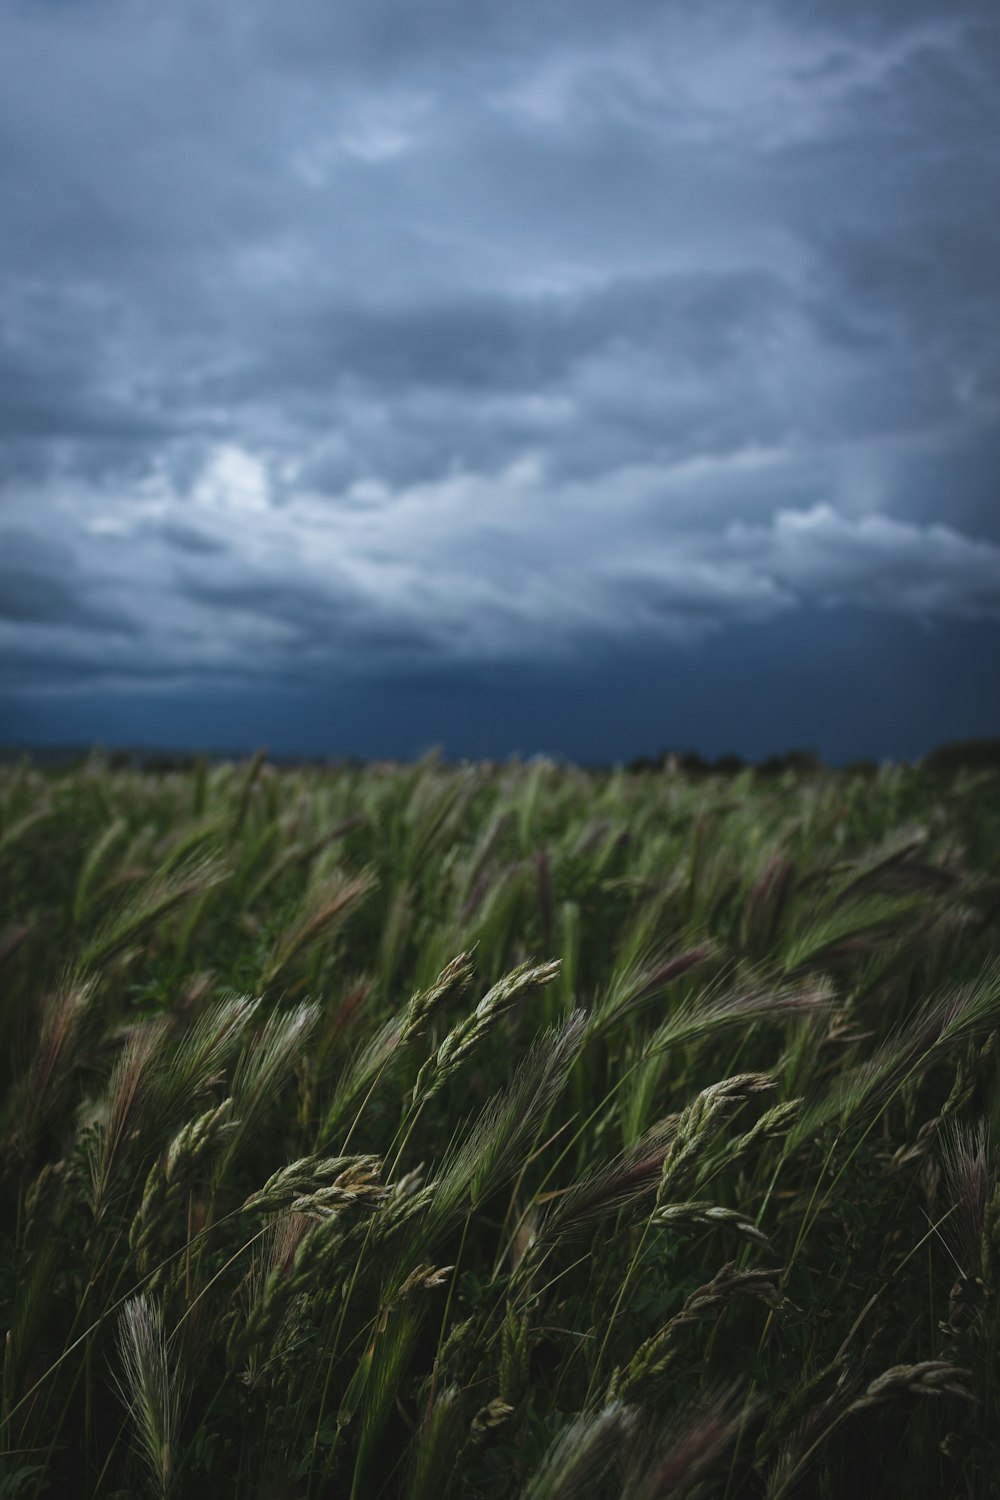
553 377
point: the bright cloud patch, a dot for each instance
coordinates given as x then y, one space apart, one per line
468 568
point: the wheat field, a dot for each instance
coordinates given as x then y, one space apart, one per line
498 1131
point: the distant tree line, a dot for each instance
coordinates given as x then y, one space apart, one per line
693 763
946 760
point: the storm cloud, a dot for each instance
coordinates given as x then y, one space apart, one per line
347 346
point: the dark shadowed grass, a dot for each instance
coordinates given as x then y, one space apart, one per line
498 1132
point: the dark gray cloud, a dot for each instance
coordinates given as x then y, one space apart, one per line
351 339
188 538
38 587
481 342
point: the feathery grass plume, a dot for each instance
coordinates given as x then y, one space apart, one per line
582 1456
264 1066
116 1131
859 926
128 873
150 1387
701 1121
319 1187
271 1264
643 981
676 1462
491 1151
399 1032
494 1147
193 1145
209 1044
641 1379
191 1069
298 1258
891 864
163 893
943 1022
465 1037
282 1242
717 1010
609 1187
96 855
181 845
41 1095
261 1338
965 1159
329 906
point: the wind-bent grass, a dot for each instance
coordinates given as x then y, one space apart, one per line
150 1388
505 1131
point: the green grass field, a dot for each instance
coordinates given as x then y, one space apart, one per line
499 1131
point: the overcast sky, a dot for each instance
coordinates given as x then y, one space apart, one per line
547 376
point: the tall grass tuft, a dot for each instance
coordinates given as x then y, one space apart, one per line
149 1385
